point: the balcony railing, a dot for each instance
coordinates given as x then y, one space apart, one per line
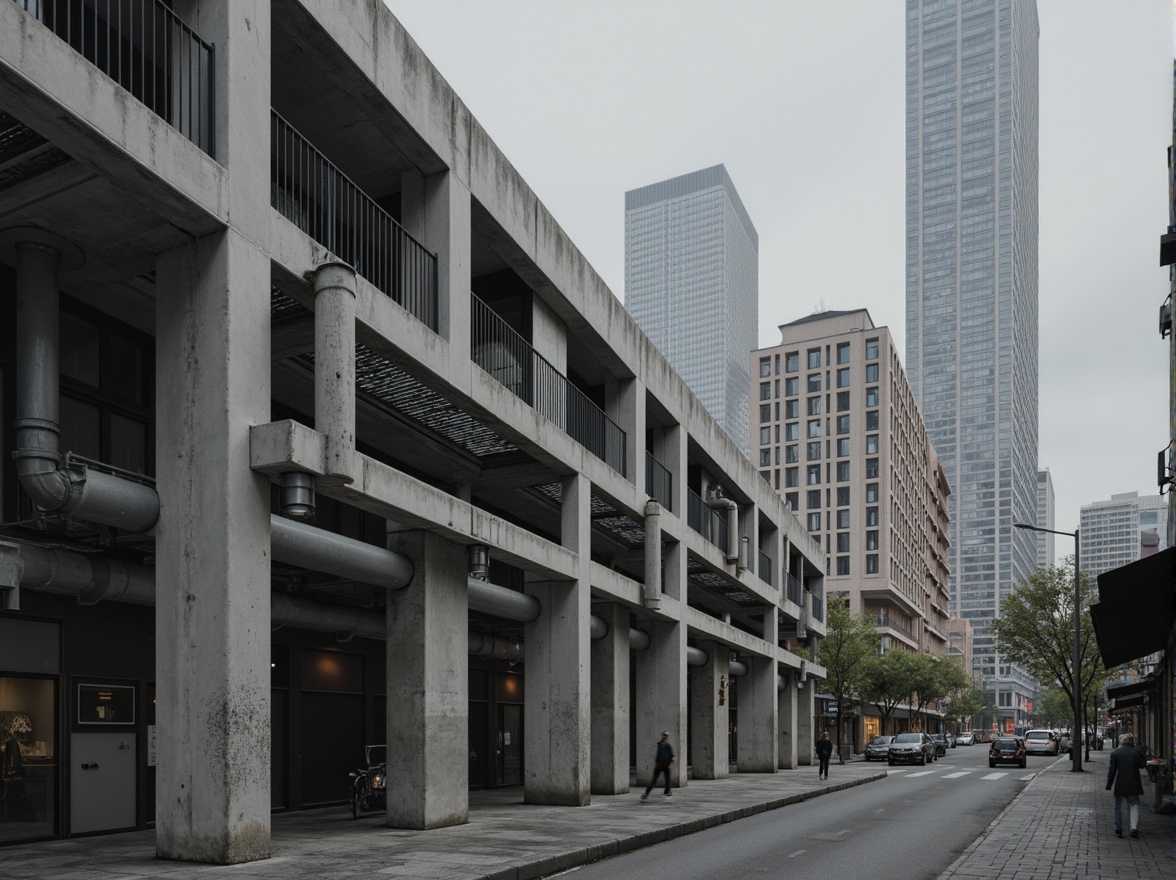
659 482
795 591
144 47
765 568
499 350
323 202
888 621
711 524
818 608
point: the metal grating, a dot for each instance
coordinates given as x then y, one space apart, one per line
700 576
23 153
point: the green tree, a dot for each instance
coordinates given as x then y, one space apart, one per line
1053 706
886 682
966 704
1036 630
949 681
850 640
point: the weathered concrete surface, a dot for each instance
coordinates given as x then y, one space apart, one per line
710 686
610 702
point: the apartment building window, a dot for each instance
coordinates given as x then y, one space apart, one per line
871 444
765 457
765 390
843 425
872 396
814 522
765 435
871 372
871 516
792 386
843 471
871 539
843 496
792 453
843 519
843 352
871 468
793 500
814 475
792 409
814 499
842 401
814 358
792 431
814 383
871 349
871 563
843 377
766 412
814 406
792 362
813 450
872 420
814 428
843 542
871 493
843 565
842 445
792 477
765 367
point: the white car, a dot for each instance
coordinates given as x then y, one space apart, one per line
1041 742
965 739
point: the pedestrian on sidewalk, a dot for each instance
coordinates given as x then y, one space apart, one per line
662 763
824 753
1123 775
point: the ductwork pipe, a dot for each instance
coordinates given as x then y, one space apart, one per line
499 601
736 668
319 550
75 491
638 639
717 502
652 589
491 647
334 366
298 495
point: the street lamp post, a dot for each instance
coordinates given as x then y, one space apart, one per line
1075 748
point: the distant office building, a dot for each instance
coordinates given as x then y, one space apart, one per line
971 239
1122 530
1045 518
838 434
692 284
959 641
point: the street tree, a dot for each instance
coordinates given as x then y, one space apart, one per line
850 640
1036 629
886 682
949 680
968 704
1053 706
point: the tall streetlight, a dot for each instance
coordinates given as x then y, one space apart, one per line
1075 749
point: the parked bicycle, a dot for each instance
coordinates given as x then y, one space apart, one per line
369 789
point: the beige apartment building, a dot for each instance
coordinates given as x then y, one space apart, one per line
837 432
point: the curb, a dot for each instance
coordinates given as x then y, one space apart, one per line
554 864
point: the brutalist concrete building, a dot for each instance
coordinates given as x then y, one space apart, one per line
318 432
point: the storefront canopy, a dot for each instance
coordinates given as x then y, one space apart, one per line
1134 693
1136 608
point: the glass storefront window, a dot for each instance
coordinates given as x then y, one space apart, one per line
28 746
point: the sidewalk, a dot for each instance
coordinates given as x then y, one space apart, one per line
503 840
1062 825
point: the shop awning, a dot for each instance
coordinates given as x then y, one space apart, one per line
1133 693
1136 608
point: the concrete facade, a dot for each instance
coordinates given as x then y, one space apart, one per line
348 308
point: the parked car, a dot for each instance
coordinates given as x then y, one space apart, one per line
985 736
911 748
951 740
878 747
1007 750
966 738
940 743
1041 742
1063 740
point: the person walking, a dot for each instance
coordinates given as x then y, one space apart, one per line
662 763
824 753
1123 776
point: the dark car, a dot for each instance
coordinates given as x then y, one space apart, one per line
1007 750
940 742
878 747
911 748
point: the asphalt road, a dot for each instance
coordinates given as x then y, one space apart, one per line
911 825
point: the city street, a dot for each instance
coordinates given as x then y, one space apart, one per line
911 825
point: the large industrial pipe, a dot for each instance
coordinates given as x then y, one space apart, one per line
298 544
651 591
501 601
334 366
718 502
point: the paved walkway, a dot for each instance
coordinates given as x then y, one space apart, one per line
1062 826
1059 826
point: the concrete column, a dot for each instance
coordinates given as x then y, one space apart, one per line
805 756
412 203
788 719
556 646
447 233
428 686
610 703
758 721
661 697
709 720
625 404
212 553
334 367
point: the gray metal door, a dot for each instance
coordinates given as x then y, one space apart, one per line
102 782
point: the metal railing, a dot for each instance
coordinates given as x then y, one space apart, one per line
499 350
711 524
765 568
818 608
659 482
144 47
795 590
888 621
324 203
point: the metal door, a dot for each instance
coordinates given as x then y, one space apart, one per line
102 782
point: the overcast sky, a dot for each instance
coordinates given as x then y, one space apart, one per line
803 101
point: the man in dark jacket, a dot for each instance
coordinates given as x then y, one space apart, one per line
661 764
1123 775
824 753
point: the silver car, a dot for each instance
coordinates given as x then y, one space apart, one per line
1041 742
878 747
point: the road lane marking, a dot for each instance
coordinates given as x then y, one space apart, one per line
994 776
957 775
799 852
920 773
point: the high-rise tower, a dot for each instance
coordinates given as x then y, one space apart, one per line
971 240
692 284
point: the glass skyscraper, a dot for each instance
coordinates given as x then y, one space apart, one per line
692 285
971 242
